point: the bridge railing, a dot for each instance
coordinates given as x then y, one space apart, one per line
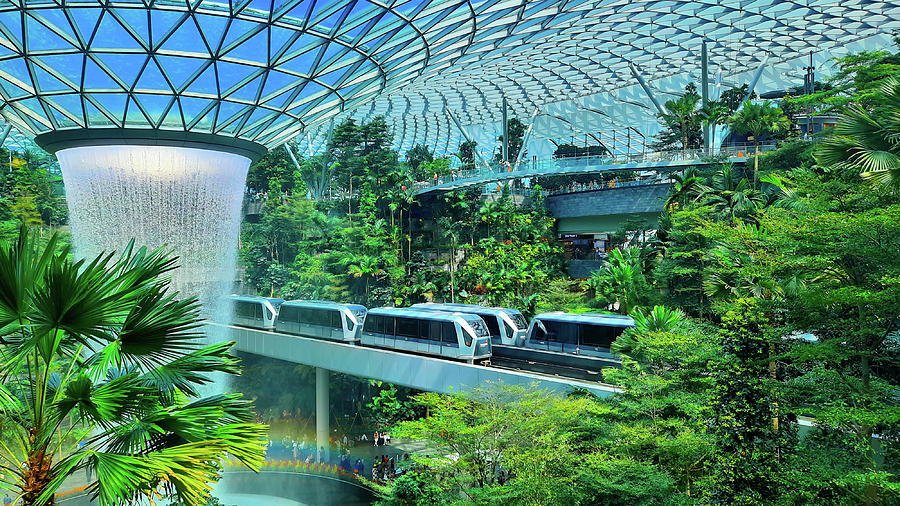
548 166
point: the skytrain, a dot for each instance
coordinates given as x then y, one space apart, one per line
459 336
466 332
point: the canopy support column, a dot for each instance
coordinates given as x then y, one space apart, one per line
646 88
467 137
526 138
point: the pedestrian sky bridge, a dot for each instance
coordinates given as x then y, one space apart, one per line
487 174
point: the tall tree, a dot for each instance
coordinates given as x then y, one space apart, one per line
681 120
759 120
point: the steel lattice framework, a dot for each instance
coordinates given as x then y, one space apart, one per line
269 70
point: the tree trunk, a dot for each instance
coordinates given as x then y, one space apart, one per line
756 167
37 476
452 277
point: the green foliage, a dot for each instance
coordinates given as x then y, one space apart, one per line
99 352
516 130
621 283
387 407
681 120
745 469
867 141
274 173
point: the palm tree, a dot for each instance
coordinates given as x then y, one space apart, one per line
714 113
687 186
731 196
867 141
682 116
100 371
758 120
621 281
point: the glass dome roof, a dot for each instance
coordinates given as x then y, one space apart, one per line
268 70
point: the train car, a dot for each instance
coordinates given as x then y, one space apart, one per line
459 336
252 311
506 326
321 319
589 334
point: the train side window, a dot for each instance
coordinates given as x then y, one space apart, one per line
370 325
389 324
509 330
407 327
434 331
539 332
259 311
492 325
336 320
448 336
347 321
561 332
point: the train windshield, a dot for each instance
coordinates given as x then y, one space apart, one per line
518 319
478 326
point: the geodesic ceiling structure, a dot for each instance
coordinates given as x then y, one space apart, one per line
268 70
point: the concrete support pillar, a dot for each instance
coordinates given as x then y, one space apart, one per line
322 415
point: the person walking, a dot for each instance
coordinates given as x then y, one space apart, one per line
375 438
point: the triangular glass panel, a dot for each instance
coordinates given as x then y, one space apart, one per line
186 38
68 65
111 35
114 103
292 10
154 105
136 19
333 51
280 38
70 103
301 64
152 79
180 69
253 49
309 90
173 118
213 28
191 107
327 15
229 111
205 125
205 82
95 116
278 101
11 25
248 91
41 38
162 22
231 74
61 28
95 78
276 81
332 79
85 21
124 66
16 68
237 30
13 90
47 82
134 117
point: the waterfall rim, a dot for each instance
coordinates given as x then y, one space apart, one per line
96 137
